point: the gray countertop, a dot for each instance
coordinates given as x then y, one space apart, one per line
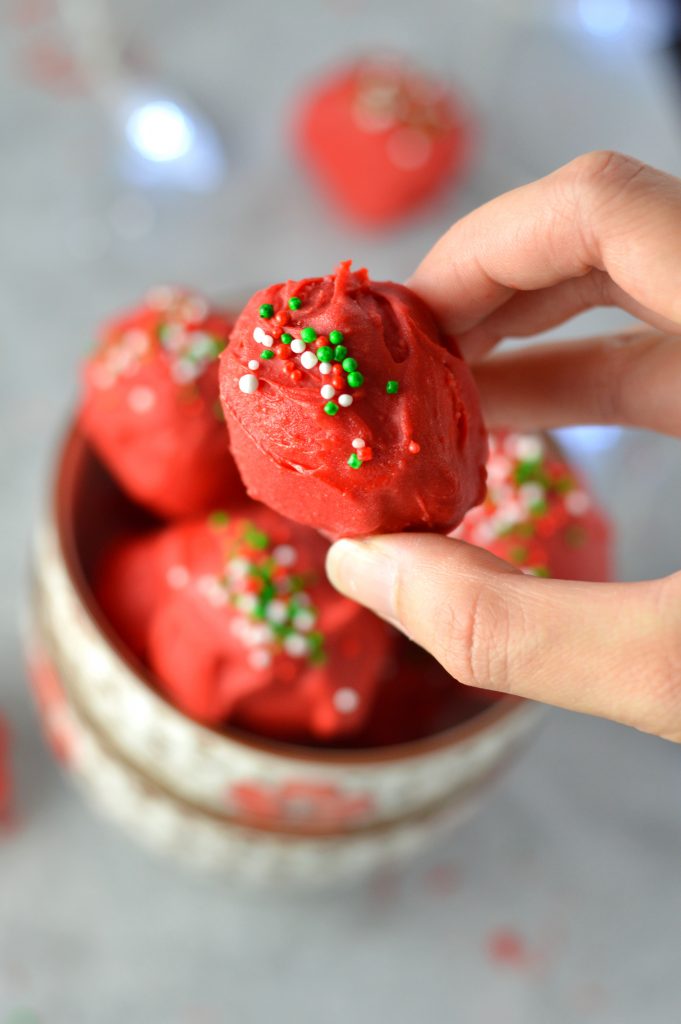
572 865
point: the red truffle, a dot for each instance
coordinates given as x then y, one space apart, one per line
150 405
381 138
370 424
537 514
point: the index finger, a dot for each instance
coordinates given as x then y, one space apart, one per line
603 211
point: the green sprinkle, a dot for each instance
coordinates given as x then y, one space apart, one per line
308 334
354 461
325 354
349 365
267 353
286 339
331 408
218 518
392 387
539 570
335 337
340 352
294 302
256 538
355 380
266 310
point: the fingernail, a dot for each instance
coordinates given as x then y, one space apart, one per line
365 573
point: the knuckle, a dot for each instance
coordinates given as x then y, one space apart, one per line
605 171
475 643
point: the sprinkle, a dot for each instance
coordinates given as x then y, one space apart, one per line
331 408
296 645
248 383
309 360
339 353
365 454
355 379
354 461
283 351
141 399
392 387
266 310
358 442
349 364
304 620
325 354
346 700
282 317
294 302
325 368
260 658
267 353
218 518
297 346
308 334
577 503
262 337
285 555
277 612
336 337
528 448
253 364
327 391
345 400
286 338
414 447
177 577
296 376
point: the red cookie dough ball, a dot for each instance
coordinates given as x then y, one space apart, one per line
537 514
381 138
150 405
348 410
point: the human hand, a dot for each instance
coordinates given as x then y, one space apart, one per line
602 230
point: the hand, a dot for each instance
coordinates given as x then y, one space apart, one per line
603 230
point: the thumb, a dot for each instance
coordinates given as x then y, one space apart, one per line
609 649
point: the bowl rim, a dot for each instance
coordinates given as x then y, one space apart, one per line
71 450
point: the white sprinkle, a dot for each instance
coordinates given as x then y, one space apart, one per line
260 634
160 297
136 341
531 494
303 599
327 391
298 346
203 346
195 308
358 442
529 447
248 383
253 364
238 568
141 399
577 503
259 658
284 554
345 400
325 368
177 577
296 645
248 603
102 377
209 588
308 360
184 371
262 337
346 700
304 620
277 612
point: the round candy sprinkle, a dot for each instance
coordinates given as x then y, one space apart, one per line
336 337
355 379
345 400
248 383
296 645
354 461
283 351
253 364
349 364
331 408
261 336
325 368
266 310
294 302
325 354
267 353
308 334
365 454
339 352
392 387
327 391
414 447
358 442
297 346
309 360
286 338
346 700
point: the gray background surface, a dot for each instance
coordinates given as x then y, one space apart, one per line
577 851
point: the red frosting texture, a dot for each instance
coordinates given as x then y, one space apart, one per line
150 405
381 139
349 411
537 514
237 620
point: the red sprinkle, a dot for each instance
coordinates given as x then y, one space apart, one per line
282 317
283 351
296 375
365 454
414 447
